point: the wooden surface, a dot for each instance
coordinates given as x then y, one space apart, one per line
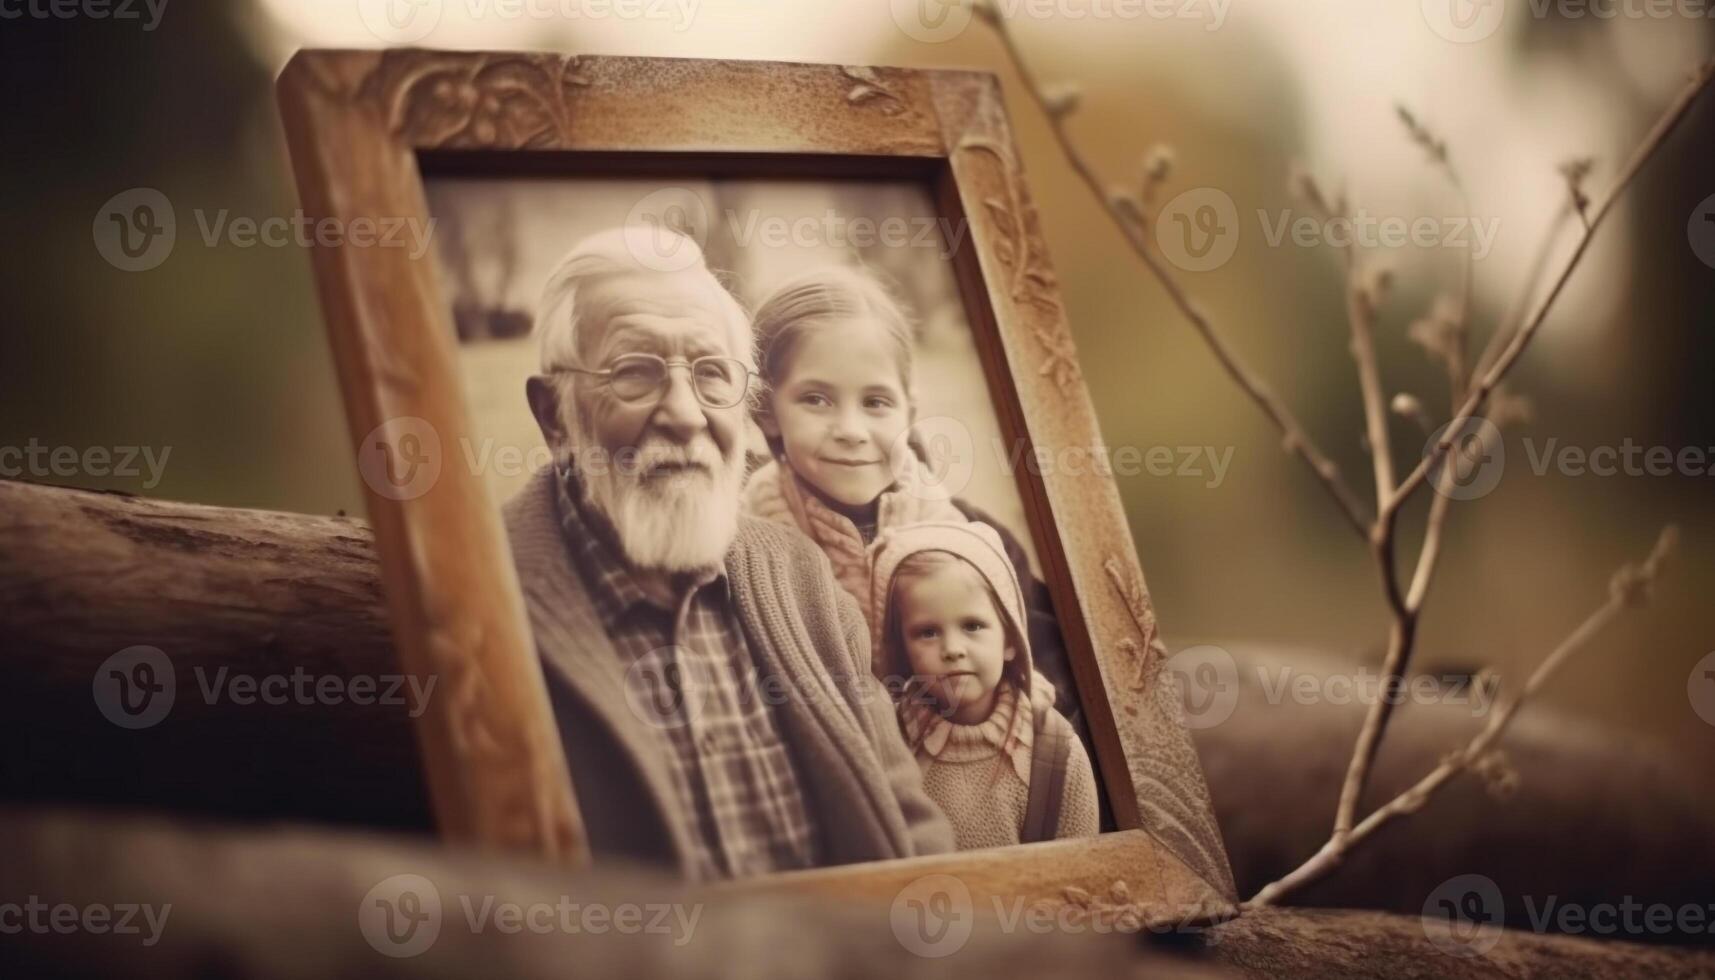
256 905
83 575
1339 943
362 124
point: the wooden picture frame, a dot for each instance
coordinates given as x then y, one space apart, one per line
364 126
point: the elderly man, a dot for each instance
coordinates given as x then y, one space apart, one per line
709 676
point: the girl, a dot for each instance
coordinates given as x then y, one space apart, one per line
836 363
1004 771
835 360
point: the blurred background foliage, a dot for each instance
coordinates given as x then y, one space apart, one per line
219 353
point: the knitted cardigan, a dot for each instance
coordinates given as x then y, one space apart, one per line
774 493
862 788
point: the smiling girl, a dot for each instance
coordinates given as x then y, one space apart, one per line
836 360
836 355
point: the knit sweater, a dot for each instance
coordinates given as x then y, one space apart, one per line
808 641
979 775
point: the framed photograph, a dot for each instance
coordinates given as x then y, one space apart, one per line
731 467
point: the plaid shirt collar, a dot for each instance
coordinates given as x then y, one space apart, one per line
613 587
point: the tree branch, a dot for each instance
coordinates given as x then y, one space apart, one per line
1628 588
1361 304
1403 630
1518 342
1132 225
1403 606
1468 394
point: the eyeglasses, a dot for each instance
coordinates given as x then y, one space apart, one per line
719 382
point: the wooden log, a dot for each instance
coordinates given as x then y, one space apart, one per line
299 903
1597 813
84 575
252 593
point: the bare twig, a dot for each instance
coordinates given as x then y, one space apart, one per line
1132 223
1402 631
1361 302
1516 345
1447 341
1469 390
1430 553
1575 171
1629 588
1514 316
1436 149
1365 288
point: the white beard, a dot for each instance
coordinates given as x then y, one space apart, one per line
676 523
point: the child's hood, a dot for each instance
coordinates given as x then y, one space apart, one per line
977 543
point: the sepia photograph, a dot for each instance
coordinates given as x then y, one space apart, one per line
741 430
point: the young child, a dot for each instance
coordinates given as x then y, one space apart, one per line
836 364
1004 771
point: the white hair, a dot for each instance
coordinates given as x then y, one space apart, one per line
632 248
